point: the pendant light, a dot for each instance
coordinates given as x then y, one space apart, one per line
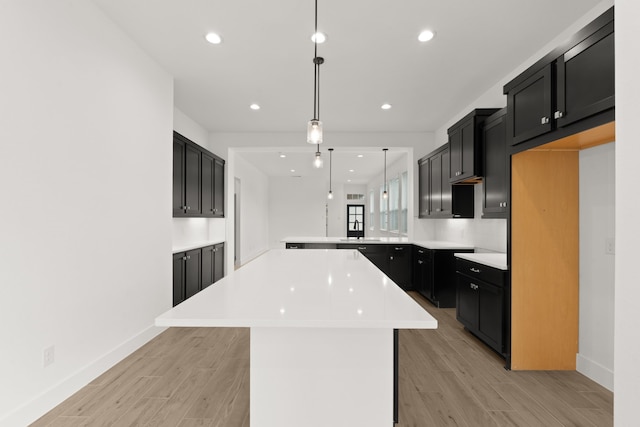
385 194
317 161
314 127
330 195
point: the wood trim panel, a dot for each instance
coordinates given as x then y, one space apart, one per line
544 260
593 137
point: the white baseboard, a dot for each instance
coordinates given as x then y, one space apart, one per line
595 371
52 397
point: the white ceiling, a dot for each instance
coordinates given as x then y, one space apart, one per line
372 56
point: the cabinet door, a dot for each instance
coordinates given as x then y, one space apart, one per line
529 107
435 185
494 184
208 263
179 208
425 286
400 266
491 315
461 152
423 188
192 180
445 187
218 265
467 297
586 78
207 185
193 271
218 192
178 277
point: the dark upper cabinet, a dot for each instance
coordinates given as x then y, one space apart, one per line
586 78
465 146
564 92
442 200
529 106
198 180
495 185
218 188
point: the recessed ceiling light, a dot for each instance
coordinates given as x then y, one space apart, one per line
319 37
385 106
348 180
293 170
360 155
282 155
426 35
254 106
213 38
351 170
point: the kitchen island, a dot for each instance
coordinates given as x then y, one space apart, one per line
322 333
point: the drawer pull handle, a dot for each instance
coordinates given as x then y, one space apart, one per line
362 248
473 286
293 247
420 261
475 270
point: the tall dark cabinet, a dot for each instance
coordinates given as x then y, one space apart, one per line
198 180
495 183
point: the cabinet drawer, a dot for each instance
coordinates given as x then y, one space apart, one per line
364 248
480 271
295 246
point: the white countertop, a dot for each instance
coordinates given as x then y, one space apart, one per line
310 288
428 244
195 245
491 259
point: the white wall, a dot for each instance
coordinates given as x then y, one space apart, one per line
395 169
85 178
627 291
597 212
254 212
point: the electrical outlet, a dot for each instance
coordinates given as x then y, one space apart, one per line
48 356
609 246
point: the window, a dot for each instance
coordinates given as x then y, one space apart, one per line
383 209
394 204
404 220
372 210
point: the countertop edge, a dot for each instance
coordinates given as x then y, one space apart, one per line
481 258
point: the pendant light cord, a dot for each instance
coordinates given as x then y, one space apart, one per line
316 69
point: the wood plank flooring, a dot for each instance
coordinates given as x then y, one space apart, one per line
189 377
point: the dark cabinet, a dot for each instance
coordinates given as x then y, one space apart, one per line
198 180
400 257
495 183
196 269
212 264
376 253
465 146
436 279
481 302
574 82
442 199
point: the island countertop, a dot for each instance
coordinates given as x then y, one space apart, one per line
428 244
310 288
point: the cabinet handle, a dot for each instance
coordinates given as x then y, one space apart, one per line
473 286
184 207
544 120
391 258
188 256
399 249
215 210
420 251
420 261
362 248
293 247
558 114
475 270
188 207
184 258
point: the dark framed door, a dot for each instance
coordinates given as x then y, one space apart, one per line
355 220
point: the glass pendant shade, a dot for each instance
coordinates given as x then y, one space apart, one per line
385 194
330 195
317 161
314 132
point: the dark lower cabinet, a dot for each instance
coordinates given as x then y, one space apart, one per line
377 253
196 269
400 266
438 276
212 264
481 302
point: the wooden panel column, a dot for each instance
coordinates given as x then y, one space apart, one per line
544 259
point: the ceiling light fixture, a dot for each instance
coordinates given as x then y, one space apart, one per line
385 194
314 127
330 195
426 35
213 38
317 161
254 106
318 37
386 106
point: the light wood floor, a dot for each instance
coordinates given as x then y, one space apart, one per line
200 377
